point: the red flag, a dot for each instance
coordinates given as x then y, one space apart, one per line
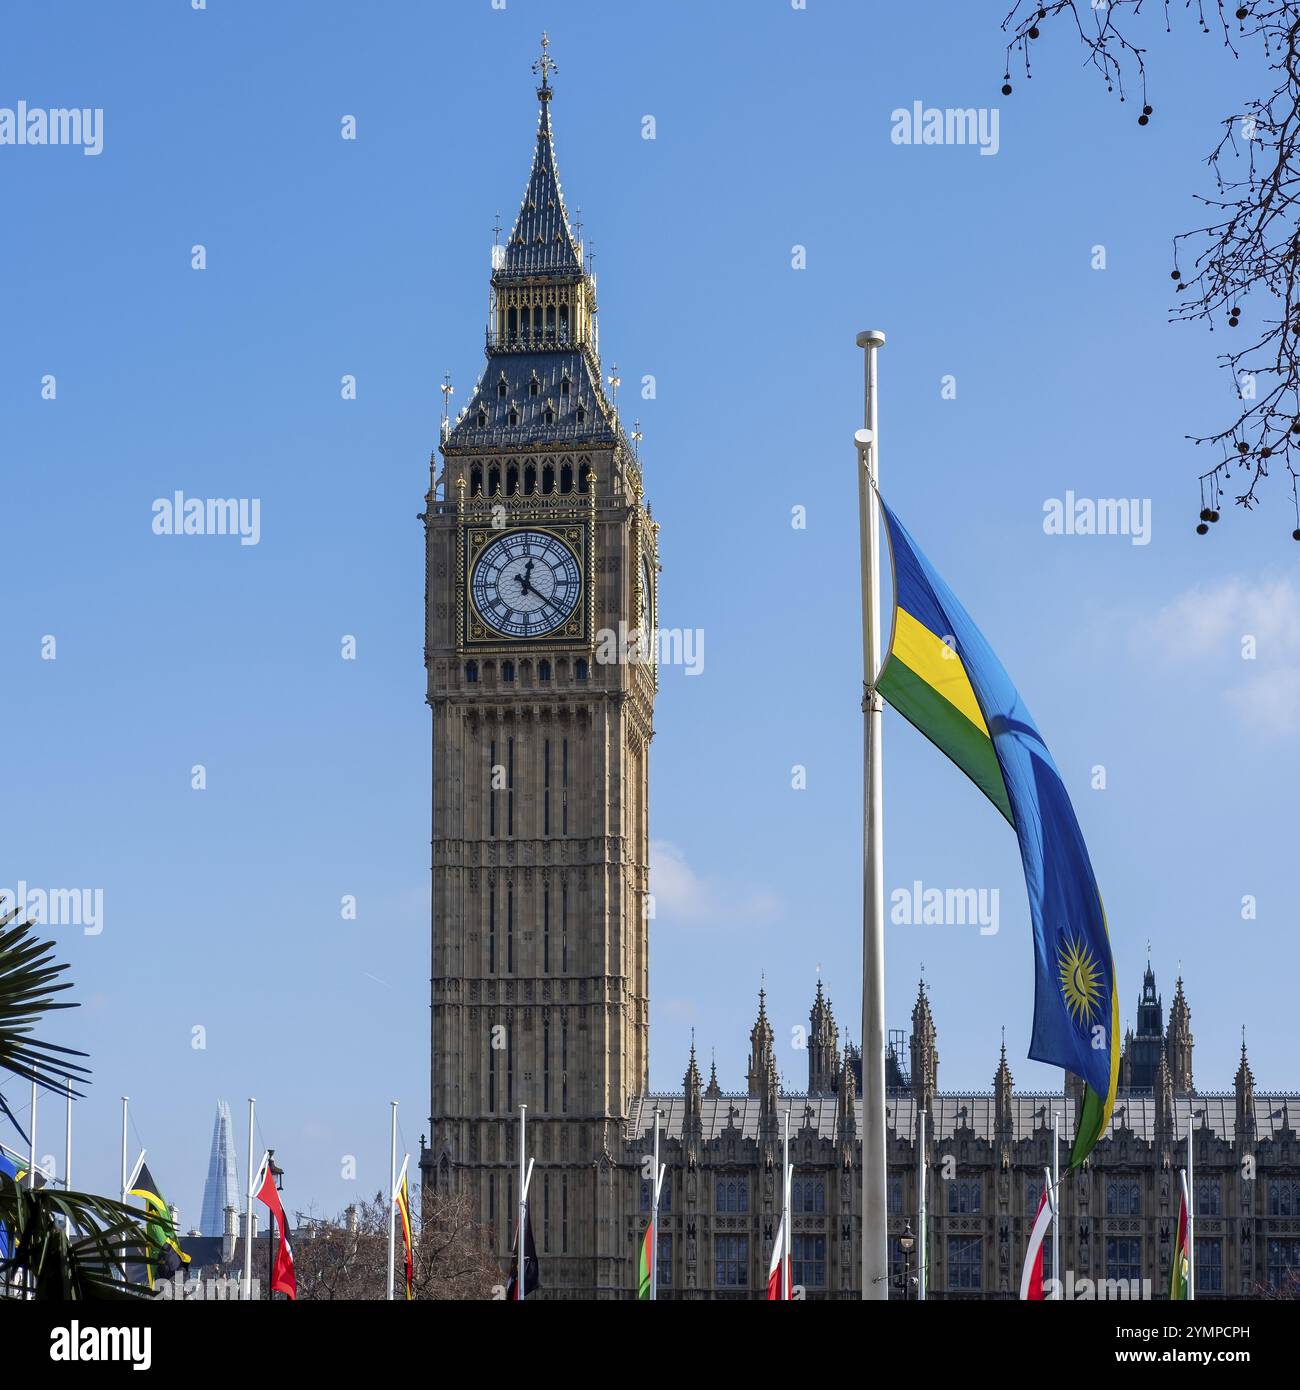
778 1272
1031 1278
282 1276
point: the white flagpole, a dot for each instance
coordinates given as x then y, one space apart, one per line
248 1218
31 1166
654 1218
67 1143
875 1253
1191 1209
392 1199
920 1207
1056 1204
787 1239
523 1206
126 1100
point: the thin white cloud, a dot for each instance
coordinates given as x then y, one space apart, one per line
682 895
1244 635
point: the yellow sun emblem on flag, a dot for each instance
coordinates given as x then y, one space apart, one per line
1081 980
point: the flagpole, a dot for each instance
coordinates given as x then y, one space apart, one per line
31 1166
1056 1204
67 1144
654 1220
785 1208
392 1200
1191 1210
126 1100
523 1208
921 1256
875 1256
248 1217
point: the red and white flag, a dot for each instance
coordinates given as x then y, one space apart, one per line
282 1275
1031 1279
778 1273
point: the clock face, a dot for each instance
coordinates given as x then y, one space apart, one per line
526 584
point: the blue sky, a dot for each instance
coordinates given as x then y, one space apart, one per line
371 257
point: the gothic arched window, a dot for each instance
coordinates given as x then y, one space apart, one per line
512 327
482 419
566 477
534 386
476 476
512 478
494 481
501 385
507 670
564 386
549 415
582 480
543 670
581 413
564 323
471 673
548 478
580 670
514 416
530 479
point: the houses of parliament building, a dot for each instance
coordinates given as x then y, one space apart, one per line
540 542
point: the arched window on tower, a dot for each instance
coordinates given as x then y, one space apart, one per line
548 478
507 670
543 670
501 387
564 323
471 673
580 670
564 386
476 475
548 415
513 417
550 323
534 386
566 477
512 327
582 480
494 481
512 480
482 419
580 414
525 320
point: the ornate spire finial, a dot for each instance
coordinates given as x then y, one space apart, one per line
545 65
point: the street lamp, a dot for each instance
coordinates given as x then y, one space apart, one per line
278 1174
907 1243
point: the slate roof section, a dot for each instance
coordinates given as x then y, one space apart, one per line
977 1113
542 242
518 370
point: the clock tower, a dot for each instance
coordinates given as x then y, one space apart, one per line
541 565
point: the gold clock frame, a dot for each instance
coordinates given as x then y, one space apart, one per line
574 526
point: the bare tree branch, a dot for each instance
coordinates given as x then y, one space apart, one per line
1243 263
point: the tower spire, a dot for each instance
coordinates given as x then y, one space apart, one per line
545 65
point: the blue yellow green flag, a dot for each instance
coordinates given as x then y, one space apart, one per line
943 677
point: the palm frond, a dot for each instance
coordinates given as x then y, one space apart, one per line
28 975
91 1264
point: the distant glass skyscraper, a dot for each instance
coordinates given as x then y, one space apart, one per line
222 1187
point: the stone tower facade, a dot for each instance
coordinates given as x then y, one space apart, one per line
541 569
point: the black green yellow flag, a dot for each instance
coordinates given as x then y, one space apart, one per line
164 1255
